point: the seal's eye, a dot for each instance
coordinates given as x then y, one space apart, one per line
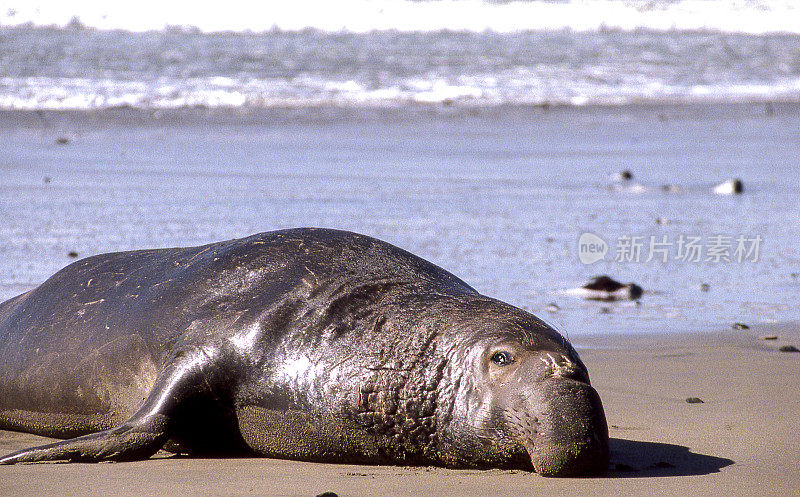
502 358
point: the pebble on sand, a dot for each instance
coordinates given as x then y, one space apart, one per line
670 189
788 348
62 140
694 400
740 326
72 254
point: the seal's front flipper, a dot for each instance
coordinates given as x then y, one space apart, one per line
130 441
137 438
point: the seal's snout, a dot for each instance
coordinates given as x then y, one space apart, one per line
572 437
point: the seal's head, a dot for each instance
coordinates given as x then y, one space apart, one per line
524 398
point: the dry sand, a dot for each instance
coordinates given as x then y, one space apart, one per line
743 439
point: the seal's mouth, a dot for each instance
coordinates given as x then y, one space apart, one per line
571 437
568 460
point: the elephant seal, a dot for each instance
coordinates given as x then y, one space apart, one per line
308 344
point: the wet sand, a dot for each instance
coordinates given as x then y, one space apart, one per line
498 196
741 440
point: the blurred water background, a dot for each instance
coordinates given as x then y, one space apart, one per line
485 136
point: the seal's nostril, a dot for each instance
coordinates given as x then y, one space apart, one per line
558 365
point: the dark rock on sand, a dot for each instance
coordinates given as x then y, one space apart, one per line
607 288
740 326
694 400
730 187
788 348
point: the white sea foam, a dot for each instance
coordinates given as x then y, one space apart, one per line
84 94
358 16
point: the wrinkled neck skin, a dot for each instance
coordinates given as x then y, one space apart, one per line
536 410
421 383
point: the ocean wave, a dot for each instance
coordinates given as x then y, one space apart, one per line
360 16
221 92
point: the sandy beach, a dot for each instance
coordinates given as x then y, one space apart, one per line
741 440
469 186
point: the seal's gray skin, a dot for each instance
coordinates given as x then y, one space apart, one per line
307 344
